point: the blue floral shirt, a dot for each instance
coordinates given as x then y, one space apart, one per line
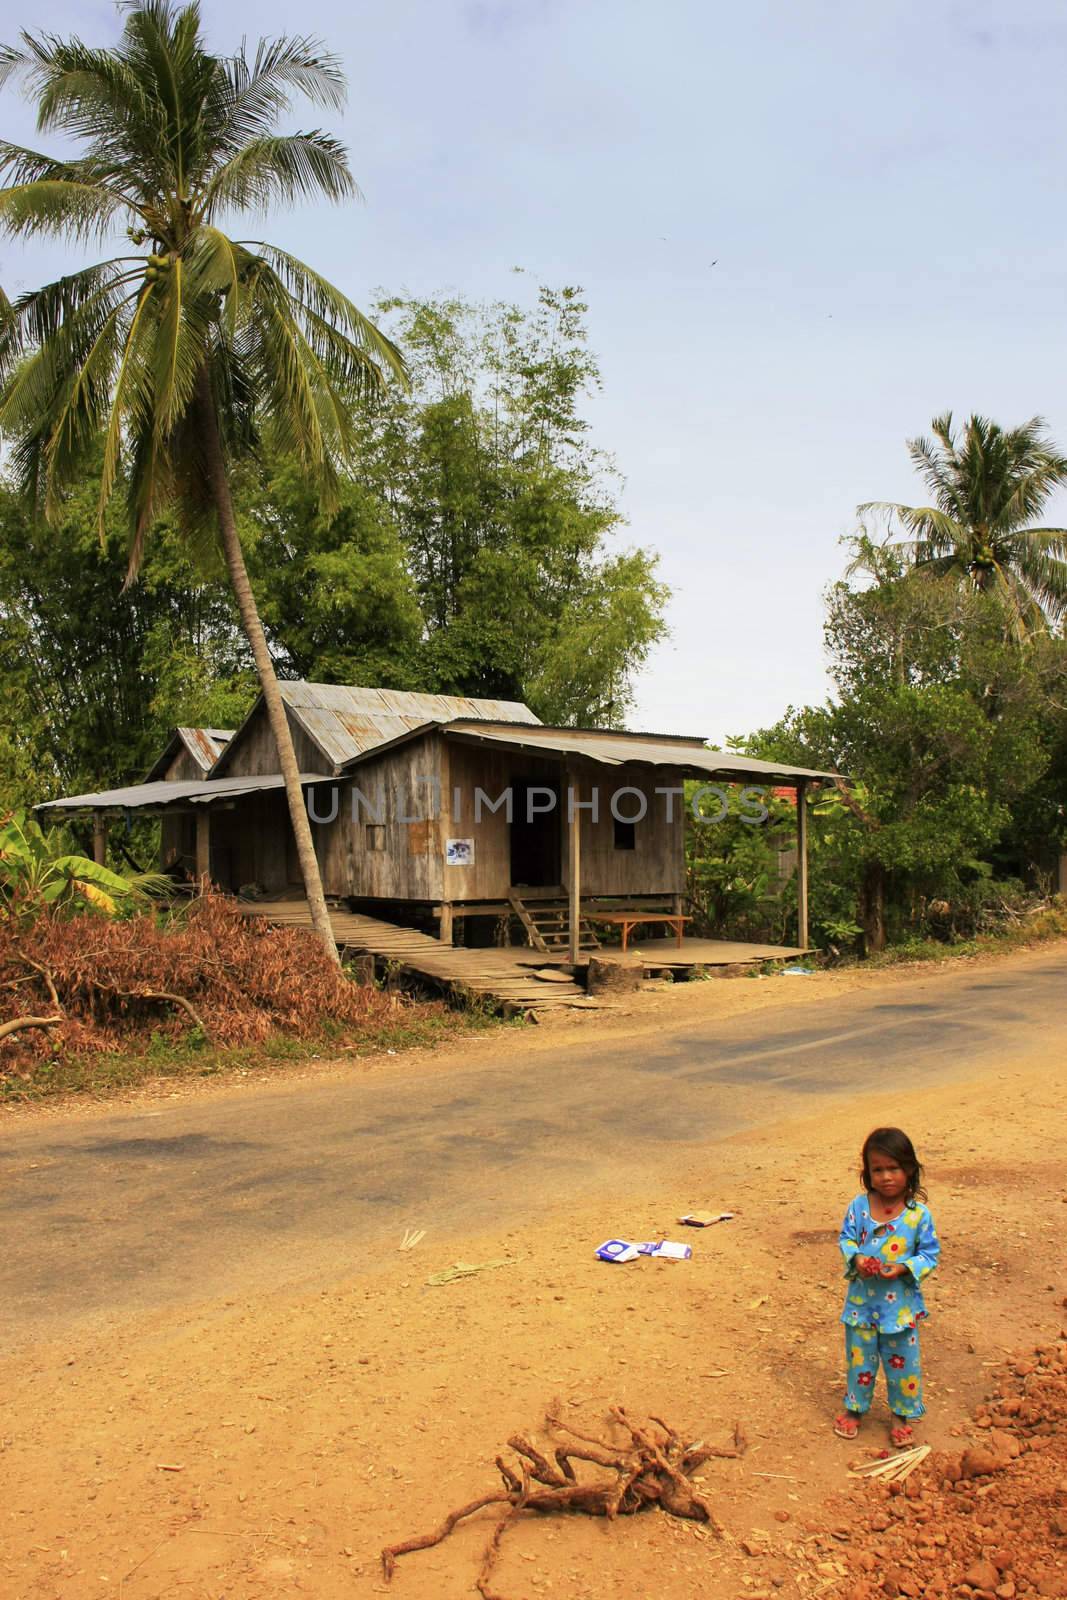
910 1240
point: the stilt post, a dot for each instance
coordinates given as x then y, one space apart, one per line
802 863
203 846
574 866
100 838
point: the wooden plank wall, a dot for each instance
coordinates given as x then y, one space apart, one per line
470 768
252 841
177 833
254 753
655 866
409 864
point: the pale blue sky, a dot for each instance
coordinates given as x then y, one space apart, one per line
882 187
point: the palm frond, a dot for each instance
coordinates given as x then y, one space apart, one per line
933 531
131 399
1024 611
149 487
326 302
19 164
40 314
54 398
57 206
213 268
1042 567
178 349
1025 497
934 470
255 96
80 90
175 134
286 167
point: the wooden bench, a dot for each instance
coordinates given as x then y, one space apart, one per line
628 920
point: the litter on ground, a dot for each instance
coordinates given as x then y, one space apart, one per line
623 1250
464 1269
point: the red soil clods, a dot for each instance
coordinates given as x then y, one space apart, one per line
986 1523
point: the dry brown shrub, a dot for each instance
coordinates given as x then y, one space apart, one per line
113 981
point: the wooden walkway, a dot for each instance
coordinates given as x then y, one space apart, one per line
517 979
704 952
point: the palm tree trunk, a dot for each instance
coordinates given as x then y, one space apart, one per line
246 604
872 907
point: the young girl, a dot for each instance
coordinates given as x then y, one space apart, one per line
890 1245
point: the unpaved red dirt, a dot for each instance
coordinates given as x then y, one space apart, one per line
987 1521
269 1446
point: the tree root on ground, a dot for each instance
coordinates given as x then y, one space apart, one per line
646 1471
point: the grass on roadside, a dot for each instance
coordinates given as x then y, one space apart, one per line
191 1056
1048 923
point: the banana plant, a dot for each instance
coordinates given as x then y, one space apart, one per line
39 875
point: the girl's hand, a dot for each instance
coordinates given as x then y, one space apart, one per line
868 1266
893 1272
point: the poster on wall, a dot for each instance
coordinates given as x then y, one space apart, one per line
459 853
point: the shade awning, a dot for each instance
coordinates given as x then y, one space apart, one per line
159 796
617 749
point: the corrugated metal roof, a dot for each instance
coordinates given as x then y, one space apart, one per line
346 721
188 791
205 745
615 749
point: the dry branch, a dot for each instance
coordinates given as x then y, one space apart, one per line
119 980
47 976
16 1023
159 994
647 1471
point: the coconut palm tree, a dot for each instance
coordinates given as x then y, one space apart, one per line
987 488
191 348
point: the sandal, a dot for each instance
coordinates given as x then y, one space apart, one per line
847 1425
902 1436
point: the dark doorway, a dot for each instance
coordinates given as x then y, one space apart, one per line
535 858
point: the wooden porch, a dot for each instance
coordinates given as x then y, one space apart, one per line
656 954
517 978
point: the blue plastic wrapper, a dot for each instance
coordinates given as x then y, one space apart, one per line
665 1249
618 1250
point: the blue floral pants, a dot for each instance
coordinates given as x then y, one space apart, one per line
899 1355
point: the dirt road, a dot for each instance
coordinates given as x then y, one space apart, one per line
140 1207
222 1379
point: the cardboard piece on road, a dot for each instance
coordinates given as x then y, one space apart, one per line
623 1250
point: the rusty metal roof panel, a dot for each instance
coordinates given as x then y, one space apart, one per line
346 721
205 745
613 748
188 791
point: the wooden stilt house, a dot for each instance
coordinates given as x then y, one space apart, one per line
443 808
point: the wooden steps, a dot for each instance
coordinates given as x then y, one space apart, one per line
506 977
547 925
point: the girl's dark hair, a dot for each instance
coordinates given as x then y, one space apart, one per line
893 1142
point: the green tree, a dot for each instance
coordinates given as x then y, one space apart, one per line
946 727
506 511
988 486
93 683
336 594
184 358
